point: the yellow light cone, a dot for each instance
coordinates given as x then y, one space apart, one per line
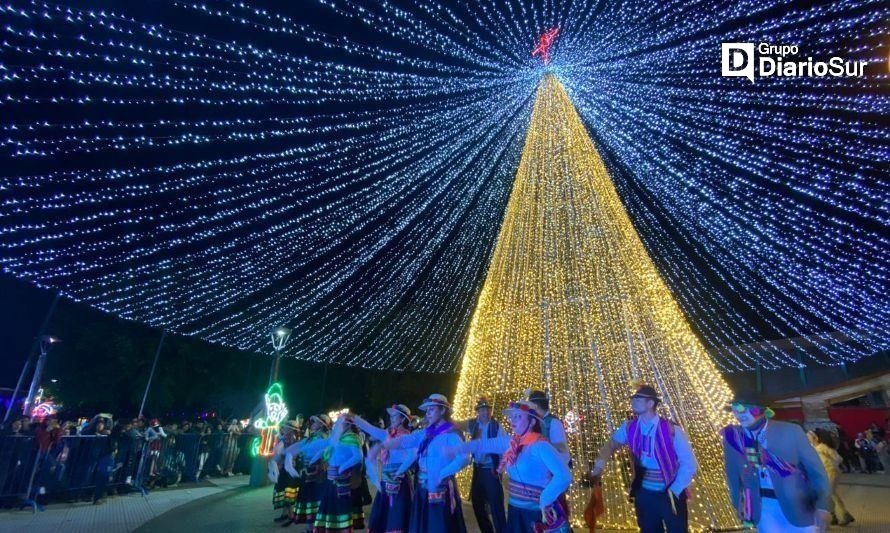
573 304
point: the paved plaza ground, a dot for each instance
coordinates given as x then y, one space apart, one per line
229 505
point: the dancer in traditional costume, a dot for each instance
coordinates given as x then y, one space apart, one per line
776 480
343 454
538 474
284 495
437 506
388 470
311 476
361 491
663 464
486 490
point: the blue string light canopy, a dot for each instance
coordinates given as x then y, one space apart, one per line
220 168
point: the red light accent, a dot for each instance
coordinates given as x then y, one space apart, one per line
545 41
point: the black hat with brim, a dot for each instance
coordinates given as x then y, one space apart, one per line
536 395
483 403
646 391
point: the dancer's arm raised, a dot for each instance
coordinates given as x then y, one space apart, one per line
373 431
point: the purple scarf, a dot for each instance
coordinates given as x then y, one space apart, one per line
663 446
431 433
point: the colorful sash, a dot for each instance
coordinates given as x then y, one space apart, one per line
447 490
391 483
662 446
755 455
340 480
523 495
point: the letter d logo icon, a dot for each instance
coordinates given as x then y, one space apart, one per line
737 60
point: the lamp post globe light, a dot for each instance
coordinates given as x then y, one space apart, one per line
280 336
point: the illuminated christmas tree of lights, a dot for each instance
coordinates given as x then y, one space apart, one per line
573 305
218 168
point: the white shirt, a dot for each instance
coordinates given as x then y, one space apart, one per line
687 463
538 464
558 436
441 459
483 458
396 456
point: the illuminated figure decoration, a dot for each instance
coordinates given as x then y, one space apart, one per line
545 42
337 414
572 420
572 304
276 412
44 409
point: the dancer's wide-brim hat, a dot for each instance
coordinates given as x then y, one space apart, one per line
399 409
525 406
292 425
325 420
435 400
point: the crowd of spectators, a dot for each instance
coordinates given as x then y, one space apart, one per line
106 454
867 452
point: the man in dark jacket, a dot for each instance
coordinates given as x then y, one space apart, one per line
776 480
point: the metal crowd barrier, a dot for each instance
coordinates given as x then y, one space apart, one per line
79 467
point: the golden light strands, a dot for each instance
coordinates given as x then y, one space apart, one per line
573 304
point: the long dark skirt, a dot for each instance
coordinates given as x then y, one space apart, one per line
336 509
391 513
358 507
286 488
441 516
521 520
308 499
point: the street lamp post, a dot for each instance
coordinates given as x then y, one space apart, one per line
280 336
46 343
30 358
151 375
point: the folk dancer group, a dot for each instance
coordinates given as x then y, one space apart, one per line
776 480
